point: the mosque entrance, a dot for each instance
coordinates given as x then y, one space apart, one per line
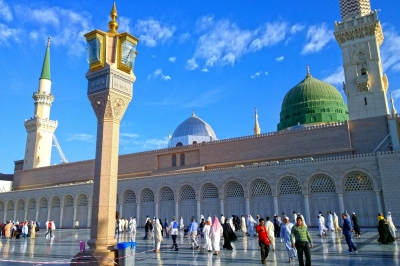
290 197
167 204
129 208
210 201
234 200
261 202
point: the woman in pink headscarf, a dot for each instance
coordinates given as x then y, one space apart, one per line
216 232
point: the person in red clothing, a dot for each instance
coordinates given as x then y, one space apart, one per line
263 240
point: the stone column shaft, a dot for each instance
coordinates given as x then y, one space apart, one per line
138 215
177 210
341 203
247 206
61 217
156 208
276 209
221 206
37 214
89 216
198 210
48 216
307 210
379 201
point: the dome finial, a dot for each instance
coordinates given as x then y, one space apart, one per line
193 114
48 41
308 72
113 24
257 129
394 112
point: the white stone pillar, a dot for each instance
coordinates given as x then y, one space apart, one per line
156 209
247 206
48 216
341 204
177 210
198 211
15 215
221 207
138 215
120 211
379 201
74 219
307 210
61 217
89 216
37 214
26 213
276 209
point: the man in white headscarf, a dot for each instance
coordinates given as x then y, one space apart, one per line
321 226
392 228
250 225
286 229
231 224
271 232
181 225
330 222
243 225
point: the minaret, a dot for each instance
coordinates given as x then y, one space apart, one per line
359 36
394 112
111 57
40 128
257 128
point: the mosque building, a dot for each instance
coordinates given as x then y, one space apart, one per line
324 156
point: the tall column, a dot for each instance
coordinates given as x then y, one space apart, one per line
15 215
138 215
61 217
26 213
198 210
276 209
37 214
307 210
341 204
75 211
221 206
48 216
120 211
89 216
177 210
156 209
247 206
379 201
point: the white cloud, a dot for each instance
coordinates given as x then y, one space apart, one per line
256 75
317 37
172 59
270 34
151 32
184 37
153 56
396 94
297 28
7 33
158 73
390 50
5 12
191 64
266 73
123 24
129 135
34 35
149 144
205 22
81 137
279 59
336 78
205 70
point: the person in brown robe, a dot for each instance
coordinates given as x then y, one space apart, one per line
7 230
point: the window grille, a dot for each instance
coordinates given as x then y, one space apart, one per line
234 190
83 201
10 206
56 202
1 206
261 188
210 192
167 194
130 197
290 186
69 201
21 205
188 193
44 204
173 160
182 159
32 204
322 184
358 182
148 195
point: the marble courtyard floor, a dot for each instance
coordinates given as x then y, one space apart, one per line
329 250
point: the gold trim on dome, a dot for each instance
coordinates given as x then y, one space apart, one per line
121 39
101 36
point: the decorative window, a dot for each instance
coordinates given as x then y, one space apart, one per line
234 190
179 144
21 205
43 203
210 192
194 142
130 197
148 195
167 194
322 184
1 206
358 182
83 201
173 160
313 119
188 193
261 188
182 159
32 204
10 206
290 186
69 201
56 202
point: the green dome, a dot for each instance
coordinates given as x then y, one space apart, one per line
312 101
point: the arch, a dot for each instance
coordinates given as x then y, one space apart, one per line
290 186
82 211
1 206
20 210
21 205
68 212
188 193
290 196
188 204
166 194
359 197
31 215
43 210
147 204
173 162
56 202
68 201
323 196
261 201
167 203
147 195
129 203
179 144
31 204
10 205
182 159
10 210
209 191
210 200
234 199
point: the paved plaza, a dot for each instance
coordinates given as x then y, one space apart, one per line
329 250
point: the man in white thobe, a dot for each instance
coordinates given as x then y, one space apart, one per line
294 217
250 225
271 233
243 225
330 222
286 229
222 219
321 226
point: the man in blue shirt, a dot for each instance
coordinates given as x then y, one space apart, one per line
347 229
193 234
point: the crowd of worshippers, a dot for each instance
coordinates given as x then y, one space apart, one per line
17 230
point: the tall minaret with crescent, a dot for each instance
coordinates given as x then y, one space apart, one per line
360 35
40 128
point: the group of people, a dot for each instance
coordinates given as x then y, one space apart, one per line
125 225
16 230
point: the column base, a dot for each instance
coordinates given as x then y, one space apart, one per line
105 257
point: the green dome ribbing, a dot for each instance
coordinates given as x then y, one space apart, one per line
46 64
312 101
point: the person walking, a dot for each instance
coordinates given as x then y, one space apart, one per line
49 228
336 223
207 238
286 230
158 238
271 233
193 227
250 225
24 229
392 228
181 224
263 240
277 226
222 219
166 228
347 229
7 230
294 217
301 239
228 234
33 230
173 228
331 226
355 224
76 226
383 228
321 227
243 225
216 232
147 228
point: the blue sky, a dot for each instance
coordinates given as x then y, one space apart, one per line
220 58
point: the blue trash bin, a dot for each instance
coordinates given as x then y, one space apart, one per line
126 253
